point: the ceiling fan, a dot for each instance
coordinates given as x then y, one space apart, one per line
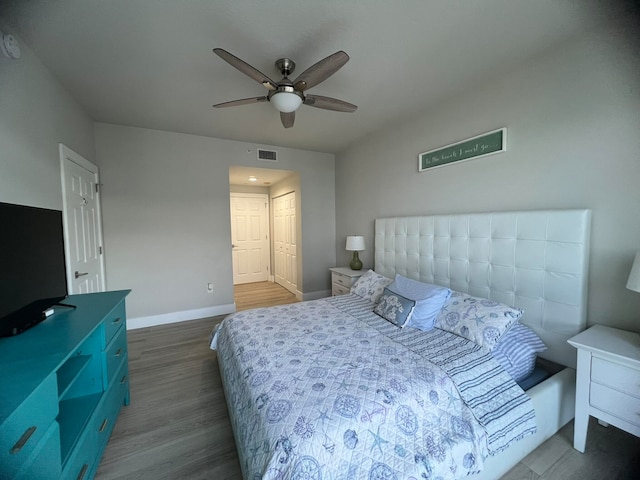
286 95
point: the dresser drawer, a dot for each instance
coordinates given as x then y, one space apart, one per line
28 424
111 405
616 403
339 289
44 463
619 377
118 391
115 354
113 322
343 280
81 464
103 423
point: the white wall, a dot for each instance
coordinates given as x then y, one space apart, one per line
573 123
165 205
36 114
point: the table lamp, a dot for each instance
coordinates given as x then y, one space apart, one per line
355 244
634 277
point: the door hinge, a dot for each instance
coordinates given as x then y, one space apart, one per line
97 188
100 249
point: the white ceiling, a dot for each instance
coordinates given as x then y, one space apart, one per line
149 63
265 177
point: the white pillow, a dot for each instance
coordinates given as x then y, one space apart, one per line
477 319
370 286
429 300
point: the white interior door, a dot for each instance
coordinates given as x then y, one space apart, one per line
250 237
82 223
285 245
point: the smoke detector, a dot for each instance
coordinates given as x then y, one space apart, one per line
9 46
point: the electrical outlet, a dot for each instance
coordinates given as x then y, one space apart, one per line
209 287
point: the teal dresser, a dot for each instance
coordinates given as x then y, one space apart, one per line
62 384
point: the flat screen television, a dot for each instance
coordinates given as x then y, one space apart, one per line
32 266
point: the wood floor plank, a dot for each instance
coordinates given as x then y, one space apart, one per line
521 472
177 425
547 454
261 294
609 453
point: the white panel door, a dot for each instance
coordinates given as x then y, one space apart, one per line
285 244
279 240
82 223
250 237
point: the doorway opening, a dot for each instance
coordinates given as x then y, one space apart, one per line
255 192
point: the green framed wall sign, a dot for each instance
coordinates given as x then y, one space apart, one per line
472 148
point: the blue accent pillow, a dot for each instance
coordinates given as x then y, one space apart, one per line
395 308
429 300
517 351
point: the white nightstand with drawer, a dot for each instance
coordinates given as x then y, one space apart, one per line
607 381
342 279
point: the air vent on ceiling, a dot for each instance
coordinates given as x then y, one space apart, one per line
268 155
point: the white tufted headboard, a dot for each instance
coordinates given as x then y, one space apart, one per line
535 260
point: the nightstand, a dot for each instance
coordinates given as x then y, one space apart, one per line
342 279
607 381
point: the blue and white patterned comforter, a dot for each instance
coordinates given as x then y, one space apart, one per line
327 389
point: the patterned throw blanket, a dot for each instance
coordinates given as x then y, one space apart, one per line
495 399
329 390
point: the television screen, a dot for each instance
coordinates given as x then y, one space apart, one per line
32 265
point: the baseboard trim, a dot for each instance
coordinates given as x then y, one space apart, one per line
175 317
315 295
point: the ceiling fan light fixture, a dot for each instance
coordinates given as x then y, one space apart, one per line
286 96
286 102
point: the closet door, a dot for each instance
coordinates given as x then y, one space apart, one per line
285 244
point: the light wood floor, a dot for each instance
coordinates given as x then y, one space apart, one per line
261 294
177 426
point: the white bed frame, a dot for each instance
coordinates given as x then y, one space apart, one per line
535 260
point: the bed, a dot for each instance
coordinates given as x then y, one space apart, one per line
331 389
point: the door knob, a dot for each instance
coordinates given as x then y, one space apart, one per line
78 274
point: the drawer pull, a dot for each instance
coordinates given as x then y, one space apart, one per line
123 380
104 425
83 472
23 440
117 320
117 354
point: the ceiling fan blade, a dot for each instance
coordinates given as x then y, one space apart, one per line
245 68
320 71
287 119
329 103
243 101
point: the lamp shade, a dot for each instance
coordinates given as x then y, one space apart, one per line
355 243
634 277
286 102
